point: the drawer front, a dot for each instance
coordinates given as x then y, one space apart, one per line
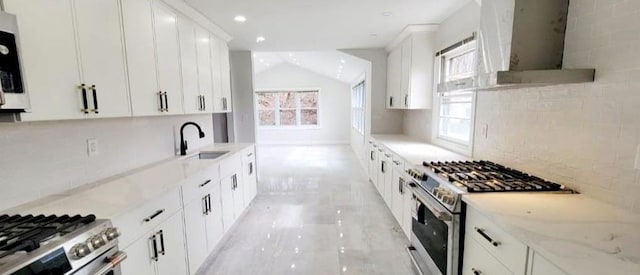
194 186
135 223
478 262
507 249
249 152
230 165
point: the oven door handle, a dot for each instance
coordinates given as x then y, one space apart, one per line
112 262
423 198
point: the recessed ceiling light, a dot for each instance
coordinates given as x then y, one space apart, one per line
261 60
342 61
387 13
290 55
260 39
240 19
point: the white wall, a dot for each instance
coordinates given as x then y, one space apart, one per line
335 106
43 158
460 25
242 93
584 135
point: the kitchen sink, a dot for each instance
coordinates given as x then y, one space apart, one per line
210 154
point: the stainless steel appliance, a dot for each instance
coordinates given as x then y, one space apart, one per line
13 95
438 216
58 245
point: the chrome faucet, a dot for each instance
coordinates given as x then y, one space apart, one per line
183 143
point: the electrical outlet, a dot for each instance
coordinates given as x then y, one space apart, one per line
92 147
485 131
637 164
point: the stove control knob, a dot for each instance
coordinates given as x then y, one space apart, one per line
437 191
448 199
97 241
111 233
80 250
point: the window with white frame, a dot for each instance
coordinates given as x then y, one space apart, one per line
357 107
288 108
455 112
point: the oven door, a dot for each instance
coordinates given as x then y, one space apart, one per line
107 264
435 235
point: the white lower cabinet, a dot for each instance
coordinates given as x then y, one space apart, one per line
232 201
407 207
160 251
397 190
488 249
477 261
541 266
249 176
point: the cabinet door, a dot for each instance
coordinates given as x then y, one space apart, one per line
405 80
394 67
47 33
205 87
216 70
102 57
478 261
196 228
250 180
141 60
225 74
397 202
541 266
189 62
407 207
238 196
388 181
173 259
168 53
226 200
215 230
139 258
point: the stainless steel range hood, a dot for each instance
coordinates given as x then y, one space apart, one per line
520 44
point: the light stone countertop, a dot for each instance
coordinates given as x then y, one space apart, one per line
415 151
578 234
114 196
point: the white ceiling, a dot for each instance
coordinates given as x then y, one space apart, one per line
301 25
334 64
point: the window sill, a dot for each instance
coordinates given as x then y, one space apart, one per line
275 128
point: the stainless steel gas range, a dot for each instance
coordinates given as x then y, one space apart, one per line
58 245
438 215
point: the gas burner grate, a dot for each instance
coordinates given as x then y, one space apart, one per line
486 176
26 233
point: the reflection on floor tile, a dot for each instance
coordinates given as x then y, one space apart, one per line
316 213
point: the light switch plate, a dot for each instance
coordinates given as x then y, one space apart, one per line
637 163
92 147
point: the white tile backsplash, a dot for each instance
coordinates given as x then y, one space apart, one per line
581 135
43 158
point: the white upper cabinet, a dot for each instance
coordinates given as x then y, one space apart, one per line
189 59
99 31
221 76
168 53
205 84
410 72
141 60
82 44
53 85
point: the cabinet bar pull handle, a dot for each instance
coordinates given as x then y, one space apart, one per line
484 235
371 157
199 103
401 185
250 168
85 104
406 100
161 102
205 183
166 102
155 248
391 101
95 99
162 251
205 207
382 166
209 201
154 215
250 154
476 271
396 162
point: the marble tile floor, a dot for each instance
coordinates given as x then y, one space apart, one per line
315 213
